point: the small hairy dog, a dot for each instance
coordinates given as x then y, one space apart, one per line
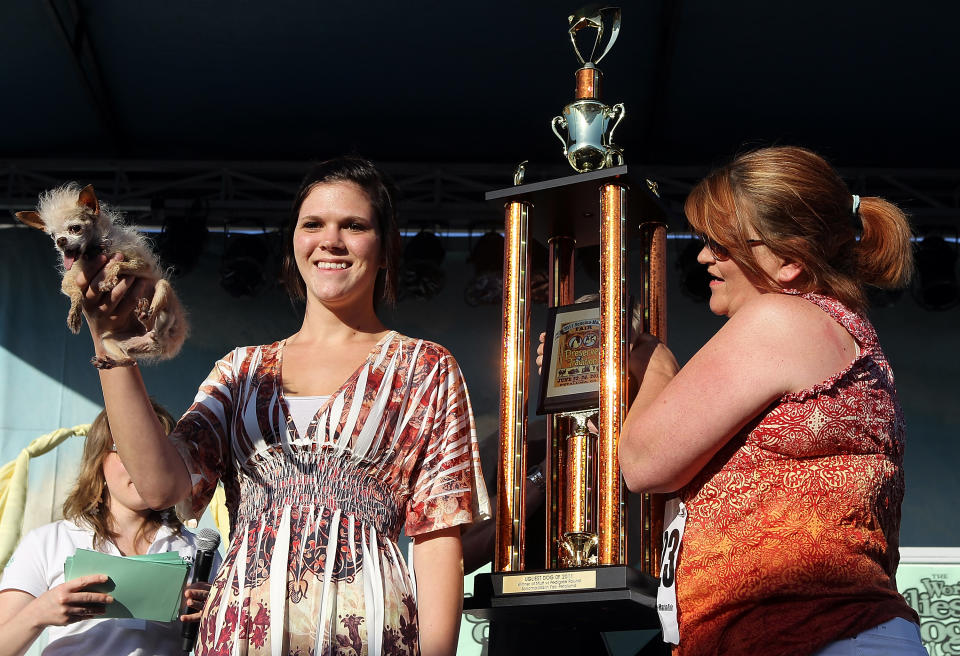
82 227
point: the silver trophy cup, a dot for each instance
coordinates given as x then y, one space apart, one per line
589 126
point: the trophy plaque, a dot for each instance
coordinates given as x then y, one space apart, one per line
587 586
570 380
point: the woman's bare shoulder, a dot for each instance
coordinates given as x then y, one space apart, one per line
778 328
806 341
779 316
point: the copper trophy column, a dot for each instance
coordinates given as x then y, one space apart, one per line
578 544
653 300
511 472
613 373
561 280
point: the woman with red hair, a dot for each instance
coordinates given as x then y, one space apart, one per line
783 436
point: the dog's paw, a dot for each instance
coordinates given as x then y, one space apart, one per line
111 276
106 362
73 322
143 310
107 284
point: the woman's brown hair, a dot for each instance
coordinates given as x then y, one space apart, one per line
86 505
380 190
799 206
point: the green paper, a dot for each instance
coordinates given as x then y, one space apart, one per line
165 557
147 587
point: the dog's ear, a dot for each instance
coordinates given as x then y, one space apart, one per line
89 199
32 219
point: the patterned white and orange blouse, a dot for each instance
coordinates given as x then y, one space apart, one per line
313 566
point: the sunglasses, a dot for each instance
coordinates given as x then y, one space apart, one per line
720 252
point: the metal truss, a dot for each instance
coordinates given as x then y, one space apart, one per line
250 193
439 196
930 196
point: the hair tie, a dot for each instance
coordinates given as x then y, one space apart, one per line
856 203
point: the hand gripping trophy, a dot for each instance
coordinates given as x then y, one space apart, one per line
589 123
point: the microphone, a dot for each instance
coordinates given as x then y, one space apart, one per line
208 540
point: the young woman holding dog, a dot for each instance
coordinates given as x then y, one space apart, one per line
104 512
328 442
783 435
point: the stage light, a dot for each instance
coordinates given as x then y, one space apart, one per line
243 268
539 276
878 298
486 286
182 238
936 287
422 275
588 257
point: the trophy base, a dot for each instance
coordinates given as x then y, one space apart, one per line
551 611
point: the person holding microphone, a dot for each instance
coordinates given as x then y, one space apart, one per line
104 512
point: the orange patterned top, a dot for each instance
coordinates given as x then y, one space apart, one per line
792 538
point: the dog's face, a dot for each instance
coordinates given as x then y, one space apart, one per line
73 222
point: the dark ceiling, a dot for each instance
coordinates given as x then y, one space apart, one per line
99 89
868 83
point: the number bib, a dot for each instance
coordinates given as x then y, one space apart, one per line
674 521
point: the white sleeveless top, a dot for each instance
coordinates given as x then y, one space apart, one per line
303 409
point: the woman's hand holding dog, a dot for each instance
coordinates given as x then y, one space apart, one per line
110 311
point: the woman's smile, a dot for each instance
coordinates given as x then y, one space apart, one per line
337 245
332 266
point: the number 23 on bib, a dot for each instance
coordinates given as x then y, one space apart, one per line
674 521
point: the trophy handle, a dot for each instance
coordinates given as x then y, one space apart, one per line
614 157
617 112
563 125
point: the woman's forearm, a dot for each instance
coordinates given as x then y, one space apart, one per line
21 627
154 464
438 564
17 635
636 448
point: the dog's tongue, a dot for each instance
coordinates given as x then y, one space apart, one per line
68 261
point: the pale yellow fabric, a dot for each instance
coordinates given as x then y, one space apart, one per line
13 491
218 512
13 486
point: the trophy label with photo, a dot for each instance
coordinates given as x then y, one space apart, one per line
570 380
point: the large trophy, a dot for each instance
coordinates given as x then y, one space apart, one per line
587 586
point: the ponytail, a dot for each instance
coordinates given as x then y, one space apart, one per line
885 252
